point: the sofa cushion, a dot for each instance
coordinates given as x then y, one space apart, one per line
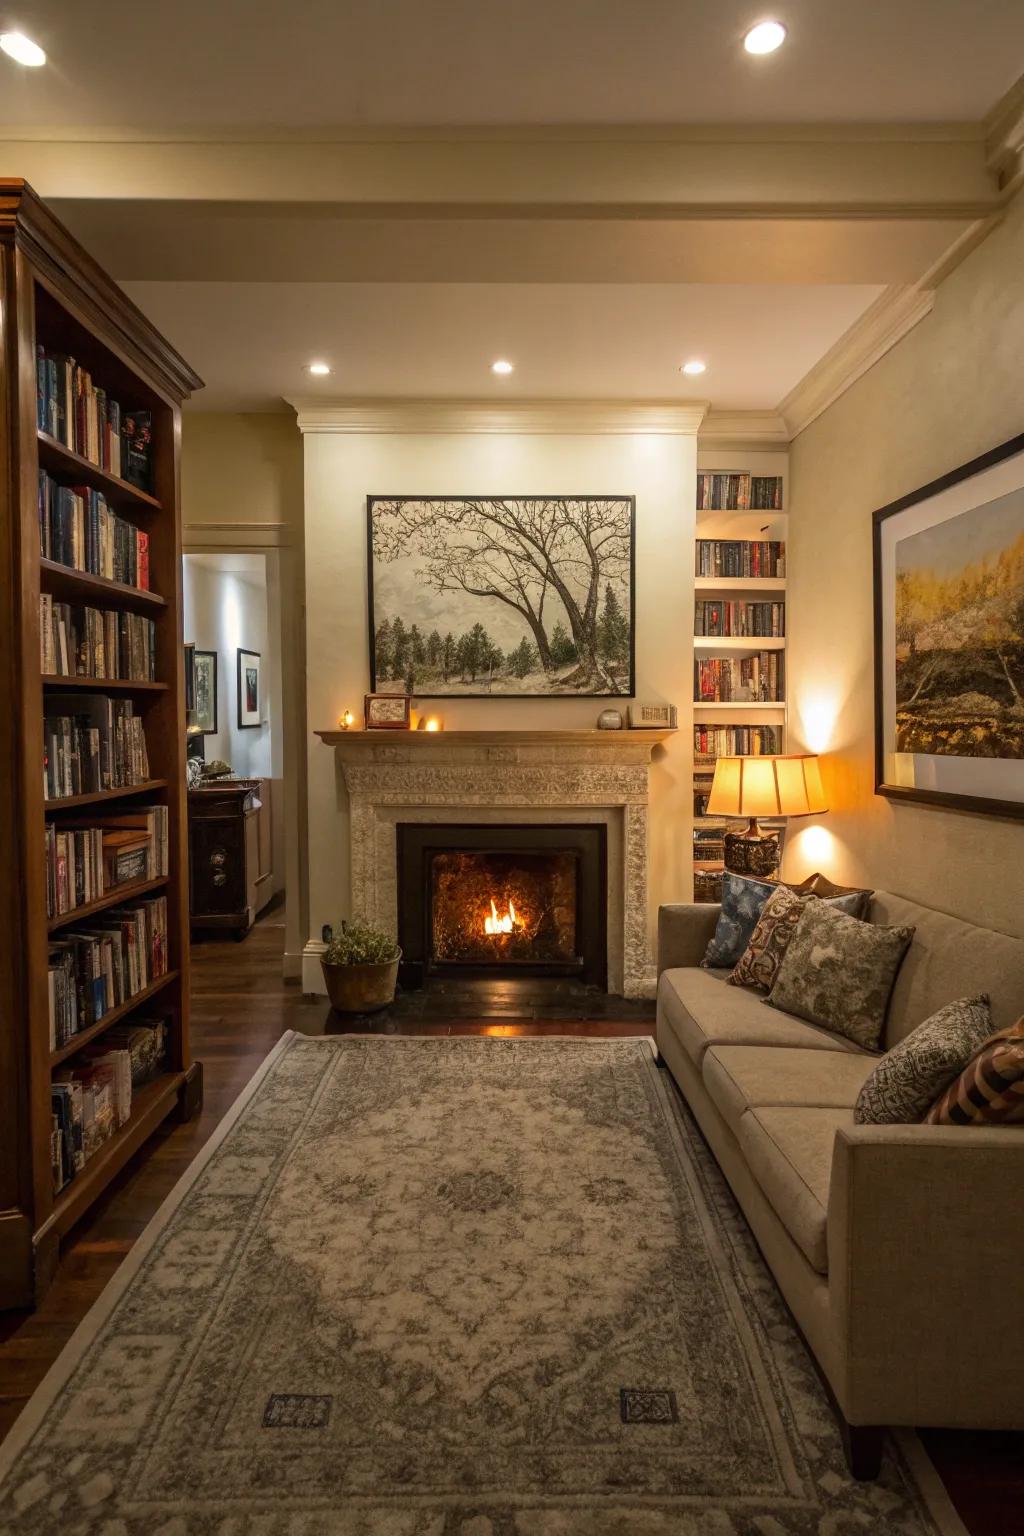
740 1077
759 964
949 959
742 900
990 1089
909 1078
701 1010
789 1152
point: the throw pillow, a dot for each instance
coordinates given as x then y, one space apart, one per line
759 964
820 885
990 1089
839 972
908 1078
742 901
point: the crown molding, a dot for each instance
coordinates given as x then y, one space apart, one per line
662 418
882 325
743 431
1004 137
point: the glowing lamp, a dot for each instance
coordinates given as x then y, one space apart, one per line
763 786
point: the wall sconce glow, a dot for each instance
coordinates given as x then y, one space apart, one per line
765 37
319 370
693 367
22 49
502 366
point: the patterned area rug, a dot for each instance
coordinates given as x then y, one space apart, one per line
448 1287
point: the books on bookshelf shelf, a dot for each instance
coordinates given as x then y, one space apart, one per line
741 557
707 885
78 528
93 970
721 619
711 742
739 679
91 1098
86 860
92 743
82 416
109 643
738 492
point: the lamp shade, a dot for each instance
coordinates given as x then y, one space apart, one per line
767 786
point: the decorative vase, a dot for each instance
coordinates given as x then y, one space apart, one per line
609 720
361 988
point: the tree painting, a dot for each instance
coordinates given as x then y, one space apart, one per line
490 595
960 634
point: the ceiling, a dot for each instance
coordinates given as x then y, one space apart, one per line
272 64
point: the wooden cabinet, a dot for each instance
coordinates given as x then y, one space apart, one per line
231 877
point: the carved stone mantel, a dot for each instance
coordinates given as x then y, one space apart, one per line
505 777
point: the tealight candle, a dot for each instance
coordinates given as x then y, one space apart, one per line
346 720
433 724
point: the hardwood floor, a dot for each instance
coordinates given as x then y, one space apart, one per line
240 1008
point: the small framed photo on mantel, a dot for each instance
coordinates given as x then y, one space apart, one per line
387 711
249 696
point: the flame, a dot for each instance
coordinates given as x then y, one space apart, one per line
496 924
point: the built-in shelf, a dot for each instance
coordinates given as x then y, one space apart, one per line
715 523
80 586
732 707
739 583
103 684
112 898
100 796
751 643
110 1018
708 864
59 460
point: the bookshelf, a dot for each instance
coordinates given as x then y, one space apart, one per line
52 294
745 526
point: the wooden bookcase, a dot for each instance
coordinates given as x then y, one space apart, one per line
52 292
742 525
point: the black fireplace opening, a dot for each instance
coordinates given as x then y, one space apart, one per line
502 901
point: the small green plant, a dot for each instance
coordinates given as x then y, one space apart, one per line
360 944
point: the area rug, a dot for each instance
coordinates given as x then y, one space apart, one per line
448 1287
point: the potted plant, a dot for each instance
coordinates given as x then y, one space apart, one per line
360 968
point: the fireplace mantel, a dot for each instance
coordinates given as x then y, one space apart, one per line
358 745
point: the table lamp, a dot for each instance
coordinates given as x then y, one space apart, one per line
763 786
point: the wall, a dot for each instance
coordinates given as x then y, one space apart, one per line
225 608
342 469
950 390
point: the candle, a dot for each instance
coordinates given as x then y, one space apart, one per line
433 724
345 720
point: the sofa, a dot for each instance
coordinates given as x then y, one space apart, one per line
899 1249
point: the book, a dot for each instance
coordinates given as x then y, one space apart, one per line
78 528
717 617
757 679
92 743
80 641
81 414
741 558
738 492
713 741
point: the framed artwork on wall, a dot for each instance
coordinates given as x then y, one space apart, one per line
501 596
204 708
387 711
249 699
949 639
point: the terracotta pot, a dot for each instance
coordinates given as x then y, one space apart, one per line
361 988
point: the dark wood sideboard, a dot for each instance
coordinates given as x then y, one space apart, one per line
230 872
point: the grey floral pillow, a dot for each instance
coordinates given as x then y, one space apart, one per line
910 1077
839 972
742 903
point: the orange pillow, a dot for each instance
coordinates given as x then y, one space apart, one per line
990 1089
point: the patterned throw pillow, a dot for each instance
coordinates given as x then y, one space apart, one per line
908 1078
742 903
820 885
759 964
990 1089
839 972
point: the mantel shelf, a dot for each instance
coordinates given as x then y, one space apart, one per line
590 736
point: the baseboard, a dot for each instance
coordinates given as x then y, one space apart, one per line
291 965
312 975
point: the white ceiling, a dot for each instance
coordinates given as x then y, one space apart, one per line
260 64
250 341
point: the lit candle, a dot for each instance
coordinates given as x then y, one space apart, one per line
345 720
433 724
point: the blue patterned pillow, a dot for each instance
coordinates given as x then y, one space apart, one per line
742 900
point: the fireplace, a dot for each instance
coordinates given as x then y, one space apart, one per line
502 900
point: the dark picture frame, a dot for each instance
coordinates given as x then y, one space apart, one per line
458 579
249 693
204 670
941 754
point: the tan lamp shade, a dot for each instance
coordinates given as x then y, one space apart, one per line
767 786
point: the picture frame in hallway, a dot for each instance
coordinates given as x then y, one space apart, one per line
502 596
249 693
204 692
949 639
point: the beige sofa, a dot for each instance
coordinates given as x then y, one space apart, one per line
899 1249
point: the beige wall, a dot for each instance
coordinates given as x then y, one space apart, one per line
951 389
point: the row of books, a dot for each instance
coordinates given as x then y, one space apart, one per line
78 528
92 1096
713 741
85 861
713 617
741 557
82 416
95 642
757 679
707 885
91 744
708 844
738 492
95 969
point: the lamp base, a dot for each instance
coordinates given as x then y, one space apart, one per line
752 852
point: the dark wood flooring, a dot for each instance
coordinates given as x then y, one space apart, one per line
240 1008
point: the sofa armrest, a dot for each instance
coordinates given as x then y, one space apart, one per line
926 1250
684 932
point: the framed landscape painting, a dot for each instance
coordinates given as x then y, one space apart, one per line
501 596
949 639
205 691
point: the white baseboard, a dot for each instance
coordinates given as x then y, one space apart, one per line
313 984
291 965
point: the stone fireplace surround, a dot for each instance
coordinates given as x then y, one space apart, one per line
501 778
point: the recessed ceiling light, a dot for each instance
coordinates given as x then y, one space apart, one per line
765 37
694 366
502 366
22 49
319 370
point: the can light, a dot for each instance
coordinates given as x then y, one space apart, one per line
765 37
22 49
319 370
502 366
693 367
